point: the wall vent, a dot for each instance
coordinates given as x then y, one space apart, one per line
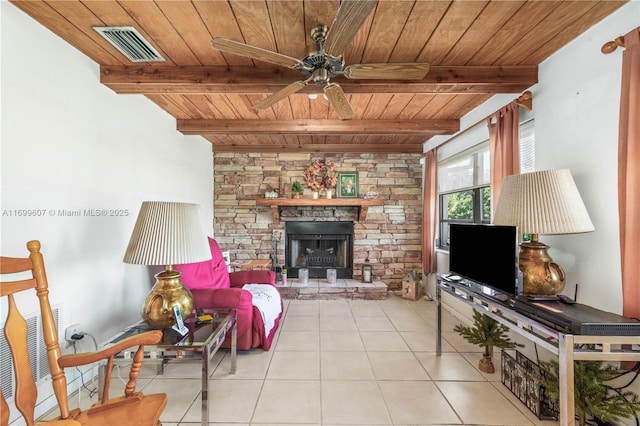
130 43
37 353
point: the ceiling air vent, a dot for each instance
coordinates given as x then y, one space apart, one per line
132 45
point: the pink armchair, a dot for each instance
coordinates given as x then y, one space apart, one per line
257 304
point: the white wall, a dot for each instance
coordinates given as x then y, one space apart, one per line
575 105
69 143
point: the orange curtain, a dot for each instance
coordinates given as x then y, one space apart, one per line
504 147
629 175
429 212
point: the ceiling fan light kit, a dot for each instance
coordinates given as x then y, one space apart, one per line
325 61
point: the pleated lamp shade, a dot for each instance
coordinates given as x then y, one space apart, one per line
545 202
168 233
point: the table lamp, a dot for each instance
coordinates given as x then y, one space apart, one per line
167 233
545 202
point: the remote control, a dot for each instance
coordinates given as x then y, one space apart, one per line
541 298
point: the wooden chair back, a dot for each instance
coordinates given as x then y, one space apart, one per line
131 408
15 331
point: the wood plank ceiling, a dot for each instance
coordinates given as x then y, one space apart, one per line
475 49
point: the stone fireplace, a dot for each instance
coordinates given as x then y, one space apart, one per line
389 233
318 246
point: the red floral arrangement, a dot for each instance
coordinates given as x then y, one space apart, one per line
320 175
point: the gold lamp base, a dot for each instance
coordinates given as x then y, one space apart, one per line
157 310
540 275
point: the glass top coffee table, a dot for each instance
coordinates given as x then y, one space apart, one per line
201 342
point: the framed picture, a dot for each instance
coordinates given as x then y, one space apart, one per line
348 185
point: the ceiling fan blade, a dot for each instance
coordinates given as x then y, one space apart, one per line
294 87
349 18
395 71
338 101
242 49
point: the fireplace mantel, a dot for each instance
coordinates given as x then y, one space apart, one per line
361 203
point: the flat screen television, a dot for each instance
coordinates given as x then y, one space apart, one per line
485 254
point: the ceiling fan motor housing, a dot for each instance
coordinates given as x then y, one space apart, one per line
318 65
322 67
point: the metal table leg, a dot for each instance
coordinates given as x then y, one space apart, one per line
438 321
234 346
565 377
205 386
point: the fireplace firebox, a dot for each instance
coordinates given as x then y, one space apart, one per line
319 246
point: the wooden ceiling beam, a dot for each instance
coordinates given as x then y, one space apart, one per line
148 79
322 148
320 127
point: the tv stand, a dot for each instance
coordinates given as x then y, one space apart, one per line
562 343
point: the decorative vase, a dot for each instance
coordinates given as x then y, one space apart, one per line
329 193
157 310
540 274
315 195
295 195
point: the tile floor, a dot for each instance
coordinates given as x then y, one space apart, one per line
347 362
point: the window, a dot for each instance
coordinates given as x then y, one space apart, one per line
464 195
463 190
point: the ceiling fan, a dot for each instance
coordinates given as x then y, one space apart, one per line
326 61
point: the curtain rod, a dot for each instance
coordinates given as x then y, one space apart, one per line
525 100
611 46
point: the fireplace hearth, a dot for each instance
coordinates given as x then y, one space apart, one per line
319 246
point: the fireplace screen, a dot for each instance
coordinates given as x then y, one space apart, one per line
319 246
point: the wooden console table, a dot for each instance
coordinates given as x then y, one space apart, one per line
251 264
361 203
565 345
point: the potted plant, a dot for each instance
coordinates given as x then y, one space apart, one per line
593 398
486 333
296 189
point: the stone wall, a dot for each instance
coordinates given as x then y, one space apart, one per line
391 234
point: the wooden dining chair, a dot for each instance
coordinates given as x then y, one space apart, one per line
132 408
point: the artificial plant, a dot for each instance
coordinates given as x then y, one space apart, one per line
296 187
486 333
593 398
